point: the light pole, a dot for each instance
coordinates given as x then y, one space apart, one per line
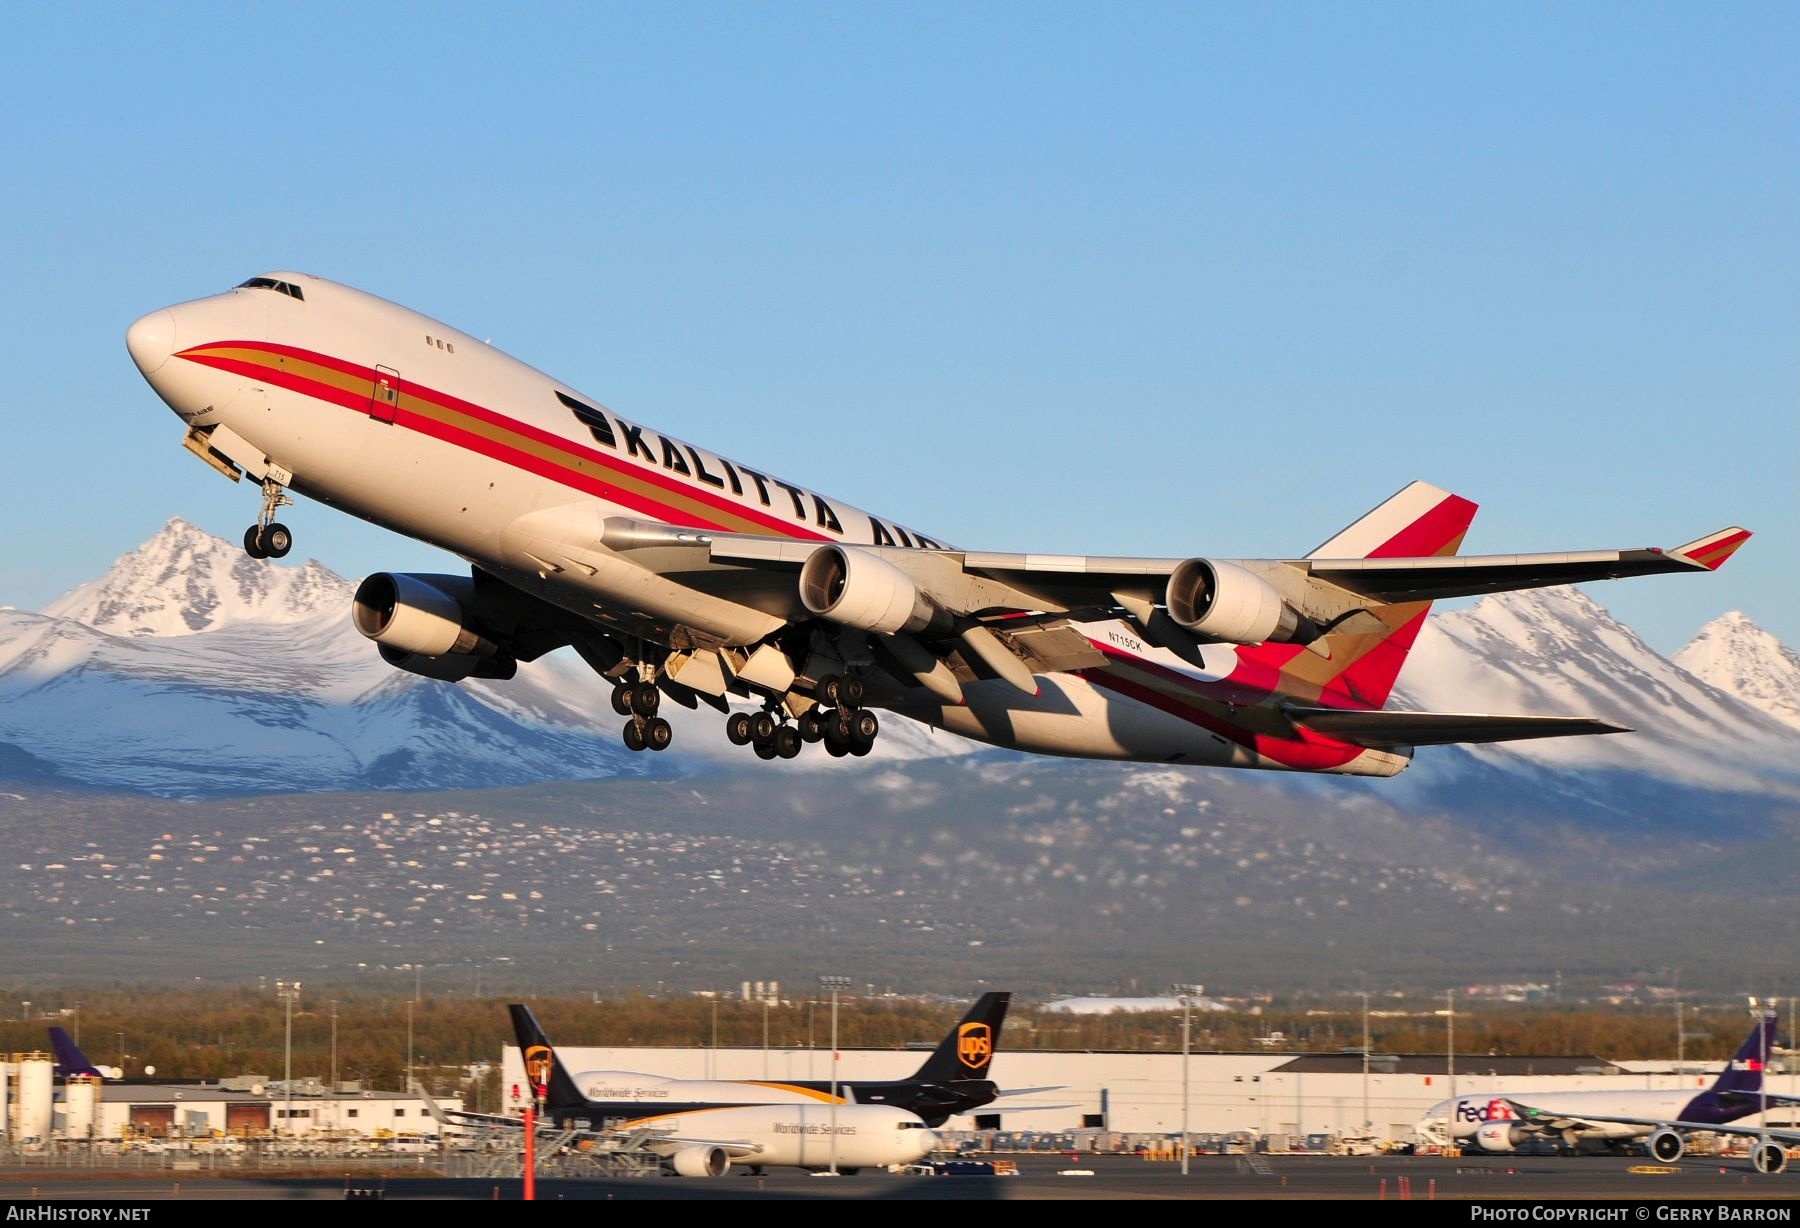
121 1055
334 1081
1187 994
765 1006
1366 1120
409 1048
834 983
287 991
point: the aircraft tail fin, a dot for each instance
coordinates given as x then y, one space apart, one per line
70 1060
542 1067
1743 1074
968 1048
1355 664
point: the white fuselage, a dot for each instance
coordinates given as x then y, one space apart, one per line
1468 1114
805 1136
405 422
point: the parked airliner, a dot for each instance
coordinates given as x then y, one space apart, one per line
952 1080
1659 1119
676 572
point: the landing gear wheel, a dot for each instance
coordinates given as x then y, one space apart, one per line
860 747
812 725
864 726
765 750
837 727
738 729
829 690
277 540
645 699
787 741
253 542
634 736
621 699
836 749
657 734
850 691
762 726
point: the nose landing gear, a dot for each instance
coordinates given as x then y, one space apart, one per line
267 538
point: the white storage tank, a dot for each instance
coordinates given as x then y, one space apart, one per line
81 1100
36 1097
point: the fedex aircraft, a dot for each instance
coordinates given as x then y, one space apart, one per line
1659 1119
676 572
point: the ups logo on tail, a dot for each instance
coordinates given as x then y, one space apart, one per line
975 1045
537 1066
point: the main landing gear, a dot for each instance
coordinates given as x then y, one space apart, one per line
268 539
838 720
645 730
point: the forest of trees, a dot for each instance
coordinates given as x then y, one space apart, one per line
206 1035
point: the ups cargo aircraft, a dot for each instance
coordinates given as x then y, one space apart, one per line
952 1080
676 572
1659 1120
700 1127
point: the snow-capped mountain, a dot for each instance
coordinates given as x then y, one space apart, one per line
1740 658
192 669
184 581
1557 651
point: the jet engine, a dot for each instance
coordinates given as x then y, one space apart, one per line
419 614
451 667
864 590
1768 1156
1226 603
700 1160
1499 1136
1666 1145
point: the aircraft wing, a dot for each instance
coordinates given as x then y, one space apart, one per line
1539 1119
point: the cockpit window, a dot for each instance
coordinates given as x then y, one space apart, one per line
269 283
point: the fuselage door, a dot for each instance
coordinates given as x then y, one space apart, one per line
385 399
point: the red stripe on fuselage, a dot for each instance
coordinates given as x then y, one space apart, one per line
361 402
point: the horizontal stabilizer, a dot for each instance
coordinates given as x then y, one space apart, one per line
1384 730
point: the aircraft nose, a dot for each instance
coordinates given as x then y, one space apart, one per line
151 340
928 1142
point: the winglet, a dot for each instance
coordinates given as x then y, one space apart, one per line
1712 550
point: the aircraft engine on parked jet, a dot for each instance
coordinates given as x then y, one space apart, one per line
1666 1145
863 590
1499 1136
1226 603
700 1160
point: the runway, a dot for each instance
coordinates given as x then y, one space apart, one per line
1039 1178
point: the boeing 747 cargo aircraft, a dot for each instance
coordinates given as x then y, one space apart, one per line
678 573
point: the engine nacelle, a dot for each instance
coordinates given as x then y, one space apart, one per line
1225 603
864 590
700 1160
1666 1145
423 615
1499 1136
451 667
1769 1156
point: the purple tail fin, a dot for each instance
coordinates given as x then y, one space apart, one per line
1734 1093
70 1060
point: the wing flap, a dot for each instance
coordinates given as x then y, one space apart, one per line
1384 730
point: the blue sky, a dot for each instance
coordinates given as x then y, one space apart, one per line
1144 278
